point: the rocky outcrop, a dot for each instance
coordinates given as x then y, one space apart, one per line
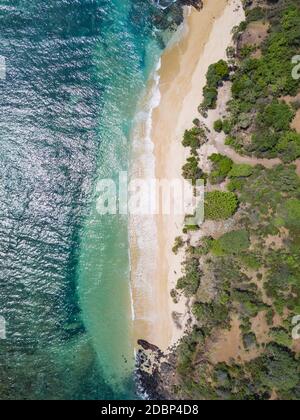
156 372
148 346
171 17
198 4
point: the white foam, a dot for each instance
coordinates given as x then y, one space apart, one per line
144 228
143 166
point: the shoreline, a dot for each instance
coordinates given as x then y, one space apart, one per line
180 82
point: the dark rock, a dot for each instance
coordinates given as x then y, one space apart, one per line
197 4
148 346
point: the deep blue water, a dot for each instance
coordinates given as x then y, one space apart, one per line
74 72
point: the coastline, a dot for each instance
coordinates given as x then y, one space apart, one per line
155 269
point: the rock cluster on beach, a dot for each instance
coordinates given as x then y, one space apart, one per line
198 4
165 16
156 371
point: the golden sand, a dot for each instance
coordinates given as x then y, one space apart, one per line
182 78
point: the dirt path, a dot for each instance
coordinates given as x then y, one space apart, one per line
216 143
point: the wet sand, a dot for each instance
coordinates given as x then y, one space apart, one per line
182 78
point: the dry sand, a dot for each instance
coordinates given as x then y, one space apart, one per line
155 268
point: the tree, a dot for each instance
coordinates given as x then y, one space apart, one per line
240 171
191 170
190 282
218 126
289 146
291 213
280 370
277 116
234 242
194 138
220 205
217 73
221 167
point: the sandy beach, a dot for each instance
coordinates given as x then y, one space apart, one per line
177 93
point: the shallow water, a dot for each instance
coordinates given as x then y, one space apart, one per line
74 73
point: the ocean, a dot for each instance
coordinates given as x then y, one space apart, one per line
74 74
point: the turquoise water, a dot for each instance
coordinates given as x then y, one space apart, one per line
104 264
75 71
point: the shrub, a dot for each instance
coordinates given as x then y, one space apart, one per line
264 141
255 14
250 303
218 126
291 213
249 340
250 261
234 242
227 126
277 115
216 249
191 170
234 185
212 315
194 138
179 243
210 95
244 121
281 336
240 171
260 83
220 205
289 146
280 371
216 74
247 50
221 167
190 282
205 245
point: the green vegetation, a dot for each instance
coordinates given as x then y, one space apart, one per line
278 369
232 243
275 117
251 274
260 83
190 282
291 214
255 14
191 170
218 126
194 138
217 73
273 124
288 147
179 243
211 315
220 205
222 165
281 337
240 171
271 199
227 126
249 340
